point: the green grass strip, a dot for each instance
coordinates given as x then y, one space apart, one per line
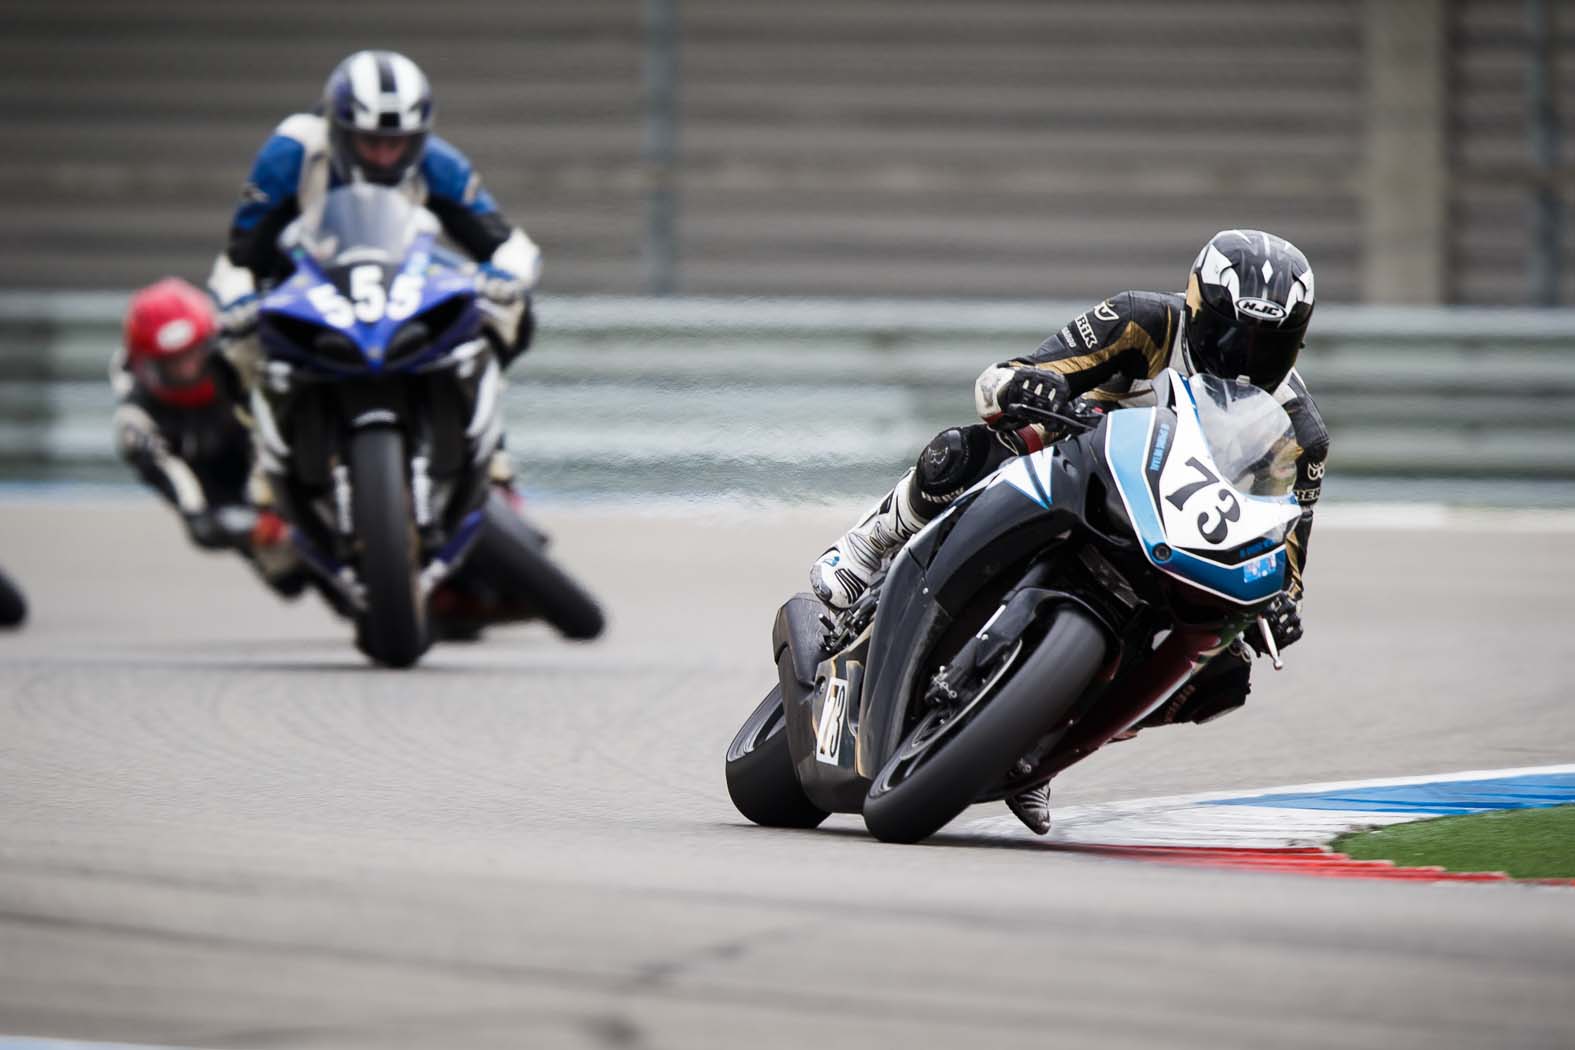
1524 843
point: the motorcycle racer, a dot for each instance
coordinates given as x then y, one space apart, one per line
178 430
374 124
1245 311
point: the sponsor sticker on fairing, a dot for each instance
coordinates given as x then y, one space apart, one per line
1258 568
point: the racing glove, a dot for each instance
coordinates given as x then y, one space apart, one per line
1284 617
506 298
238 317
1030 396
499 285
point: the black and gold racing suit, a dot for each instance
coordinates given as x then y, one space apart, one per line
1109 354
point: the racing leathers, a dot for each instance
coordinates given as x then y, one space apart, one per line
1107 356
292 176
198 458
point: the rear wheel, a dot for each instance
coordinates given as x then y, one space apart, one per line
760 776
951 757
512 557
393 629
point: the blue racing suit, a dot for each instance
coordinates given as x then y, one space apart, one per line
292 175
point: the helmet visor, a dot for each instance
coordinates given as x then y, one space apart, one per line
182 370
1230 348
382 157
381 152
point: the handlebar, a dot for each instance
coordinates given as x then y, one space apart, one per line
1079 418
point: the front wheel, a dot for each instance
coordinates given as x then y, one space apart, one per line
760 776
393 629
945 763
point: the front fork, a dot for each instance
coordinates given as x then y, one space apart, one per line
443 543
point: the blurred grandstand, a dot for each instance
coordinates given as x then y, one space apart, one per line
1418 150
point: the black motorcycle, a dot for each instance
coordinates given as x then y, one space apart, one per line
13 607
1053 606
377 413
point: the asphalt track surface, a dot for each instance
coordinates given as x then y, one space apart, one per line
220 829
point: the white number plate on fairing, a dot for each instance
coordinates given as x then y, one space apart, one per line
1201 510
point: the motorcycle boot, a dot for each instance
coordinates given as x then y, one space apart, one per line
842 574
1032 807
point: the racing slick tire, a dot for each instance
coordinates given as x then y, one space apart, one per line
924 785
760 775
393 629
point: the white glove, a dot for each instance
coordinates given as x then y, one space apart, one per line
499 285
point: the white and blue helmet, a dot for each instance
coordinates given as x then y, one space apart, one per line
379 110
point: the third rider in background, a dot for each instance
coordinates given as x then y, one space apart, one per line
1244 314
179 431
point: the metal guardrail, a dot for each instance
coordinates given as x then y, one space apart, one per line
815 397
595 313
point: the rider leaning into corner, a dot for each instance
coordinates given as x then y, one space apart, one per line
1244 313
374 125
180 433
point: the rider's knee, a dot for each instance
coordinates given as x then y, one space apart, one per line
953 461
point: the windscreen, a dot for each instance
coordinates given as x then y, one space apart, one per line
362 223
1249 435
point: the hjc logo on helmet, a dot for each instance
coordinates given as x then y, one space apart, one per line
1261 309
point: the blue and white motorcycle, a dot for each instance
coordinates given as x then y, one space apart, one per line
377 417
1050 608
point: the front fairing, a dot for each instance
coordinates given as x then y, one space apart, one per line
1192 523
324 297
981 542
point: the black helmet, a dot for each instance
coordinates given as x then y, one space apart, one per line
1249 298
379 110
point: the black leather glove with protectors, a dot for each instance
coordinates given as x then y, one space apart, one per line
1032 395
1284 617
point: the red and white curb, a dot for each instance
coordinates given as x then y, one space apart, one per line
1288 829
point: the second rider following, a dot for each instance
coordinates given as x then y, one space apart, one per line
374 125
1245 313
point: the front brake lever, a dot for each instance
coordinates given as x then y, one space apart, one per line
1075 424
1268 640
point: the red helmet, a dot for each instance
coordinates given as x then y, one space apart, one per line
169 333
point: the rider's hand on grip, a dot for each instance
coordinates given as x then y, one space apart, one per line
499 285
238 317
1032 395
1284 617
